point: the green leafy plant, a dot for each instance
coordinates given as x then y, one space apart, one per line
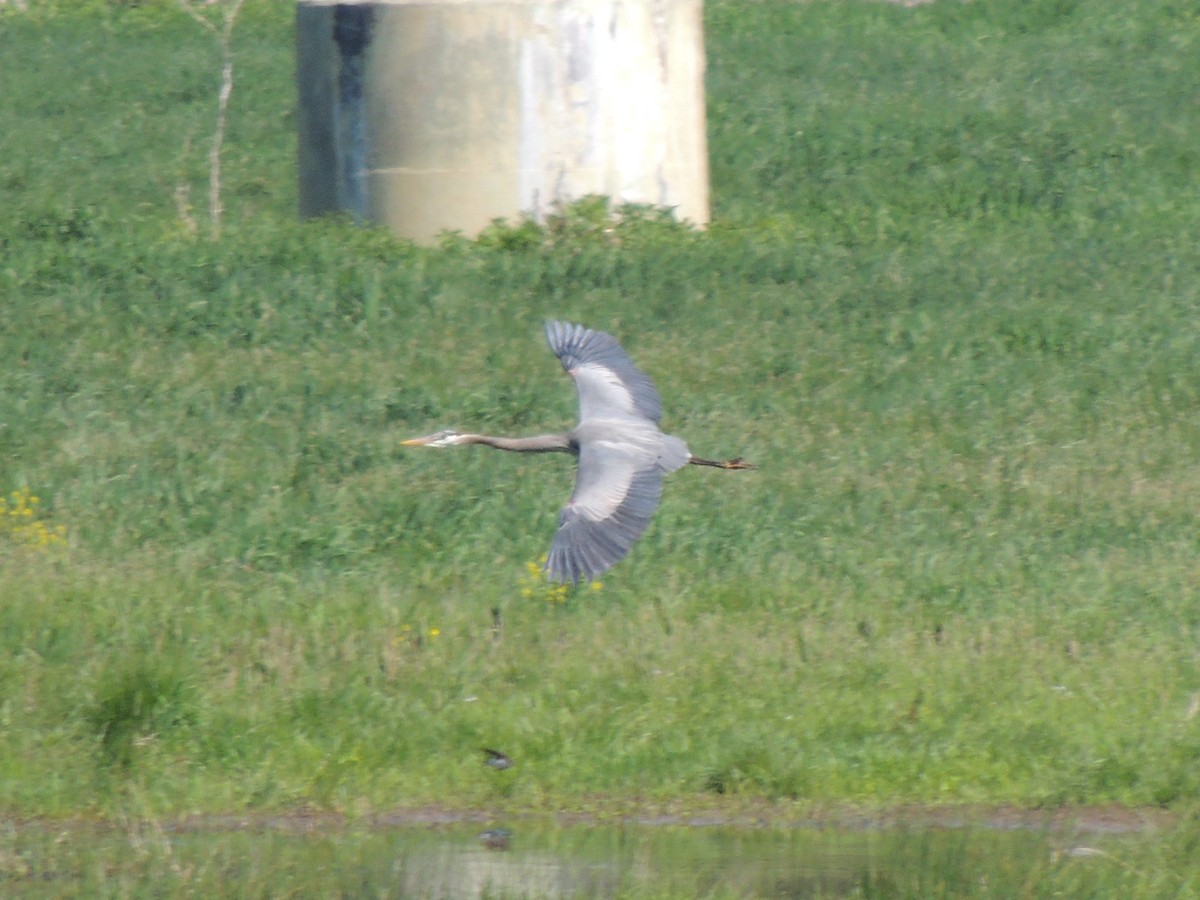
134 706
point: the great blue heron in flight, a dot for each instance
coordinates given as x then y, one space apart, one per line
623 455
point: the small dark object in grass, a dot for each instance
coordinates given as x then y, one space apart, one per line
497 760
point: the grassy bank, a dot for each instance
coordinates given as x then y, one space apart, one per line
947 304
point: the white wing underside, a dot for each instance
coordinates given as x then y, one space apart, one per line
610 509
608 382
623 455
617 490
603 394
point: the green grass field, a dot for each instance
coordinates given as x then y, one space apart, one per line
948 304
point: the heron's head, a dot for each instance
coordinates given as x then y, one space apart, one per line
445 438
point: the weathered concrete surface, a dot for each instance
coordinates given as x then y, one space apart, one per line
427 116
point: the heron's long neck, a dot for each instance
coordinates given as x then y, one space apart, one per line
542 443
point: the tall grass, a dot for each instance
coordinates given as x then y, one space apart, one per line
947 305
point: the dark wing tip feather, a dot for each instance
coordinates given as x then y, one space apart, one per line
586 548
575 345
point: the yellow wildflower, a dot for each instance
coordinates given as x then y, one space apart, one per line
21 522
534 584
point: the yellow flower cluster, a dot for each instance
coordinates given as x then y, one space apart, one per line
407 633
534 584
21 523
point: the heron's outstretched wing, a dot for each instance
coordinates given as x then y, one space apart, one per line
608 382
615 496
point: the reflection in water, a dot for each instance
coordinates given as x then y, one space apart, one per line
301 857
496 838
471 871
688 862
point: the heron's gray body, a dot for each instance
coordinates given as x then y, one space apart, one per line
623 455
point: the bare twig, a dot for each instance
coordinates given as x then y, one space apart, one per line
225 36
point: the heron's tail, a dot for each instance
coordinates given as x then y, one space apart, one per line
736 463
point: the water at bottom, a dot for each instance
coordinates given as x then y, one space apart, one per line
532 859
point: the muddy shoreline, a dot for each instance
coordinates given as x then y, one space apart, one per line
1110 819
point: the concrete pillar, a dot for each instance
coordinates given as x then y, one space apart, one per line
427 115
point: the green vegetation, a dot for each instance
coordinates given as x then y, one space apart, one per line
948 304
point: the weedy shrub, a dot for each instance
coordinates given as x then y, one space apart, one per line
136 703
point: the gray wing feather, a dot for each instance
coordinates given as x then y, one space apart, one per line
606 378
613 502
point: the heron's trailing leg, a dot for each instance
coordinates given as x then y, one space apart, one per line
736 463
